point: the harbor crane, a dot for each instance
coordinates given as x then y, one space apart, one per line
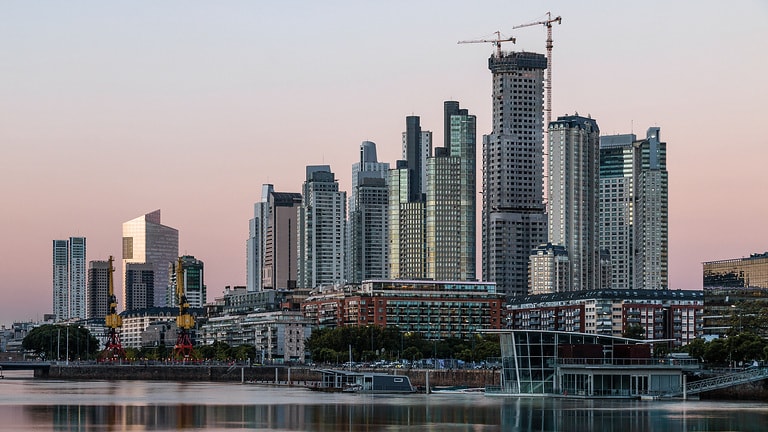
114 349
183 348
496 42
547 23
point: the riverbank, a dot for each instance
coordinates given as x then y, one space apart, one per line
283 375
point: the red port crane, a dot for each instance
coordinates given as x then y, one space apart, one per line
114 349
183 348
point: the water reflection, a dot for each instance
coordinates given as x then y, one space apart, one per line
37 405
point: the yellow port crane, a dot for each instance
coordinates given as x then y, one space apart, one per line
496 42
183 348
114 349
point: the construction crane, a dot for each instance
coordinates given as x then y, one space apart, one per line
114 349
183 348
548 23
496 42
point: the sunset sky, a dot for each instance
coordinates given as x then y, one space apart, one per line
113 109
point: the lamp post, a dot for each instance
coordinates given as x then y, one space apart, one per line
67 353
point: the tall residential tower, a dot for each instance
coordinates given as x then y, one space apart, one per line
514 219
69 279
574 178
368 223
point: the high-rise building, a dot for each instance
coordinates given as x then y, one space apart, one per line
368 223
139 292
514 219
271 245
451 203
652 261
98 289
417 148
634 210
617 207
407 204
61 279
69 279
321 230
146 240
194 282
77 278
574 161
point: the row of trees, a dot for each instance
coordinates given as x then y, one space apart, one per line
56 342
371 343
736 349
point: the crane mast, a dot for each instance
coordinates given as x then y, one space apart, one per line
548 23
496 42
114 349
183 348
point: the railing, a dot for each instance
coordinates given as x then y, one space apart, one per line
688 363
723 381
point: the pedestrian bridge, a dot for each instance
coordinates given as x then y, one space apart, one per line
723 381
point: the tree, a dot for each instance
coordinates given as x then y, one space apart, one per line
634 331
50 342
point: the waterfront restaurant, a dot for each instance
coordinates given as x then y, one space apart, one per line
568 364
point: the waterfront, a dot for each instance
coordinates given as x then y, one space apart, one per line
28 404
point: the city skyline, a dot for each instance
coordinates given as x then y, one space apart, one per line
189 108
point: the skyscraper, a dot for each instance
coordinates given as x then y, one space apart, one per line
61 279
146 240
451 203
407 204
271 245
367 239
574 161
514 219
321 230
77 278
69 277
417 147
139 292
634 209
98 289
652 213
617 207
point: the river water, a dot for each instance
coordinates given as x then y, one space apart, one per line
28 404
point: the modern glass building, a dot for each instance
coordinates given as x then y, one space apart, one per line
146 240
574 161
321 230
514 218
368 223
451 203
547 363
407 204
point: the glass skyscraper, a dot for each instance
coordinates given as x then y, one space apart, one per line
451 203
146 240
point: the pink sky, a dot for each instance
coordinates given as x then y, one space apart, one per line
109 110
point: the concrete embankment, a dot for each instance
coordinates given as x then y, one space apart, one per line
263 374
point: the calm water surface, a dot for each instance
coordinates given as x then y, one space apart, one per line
27 404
